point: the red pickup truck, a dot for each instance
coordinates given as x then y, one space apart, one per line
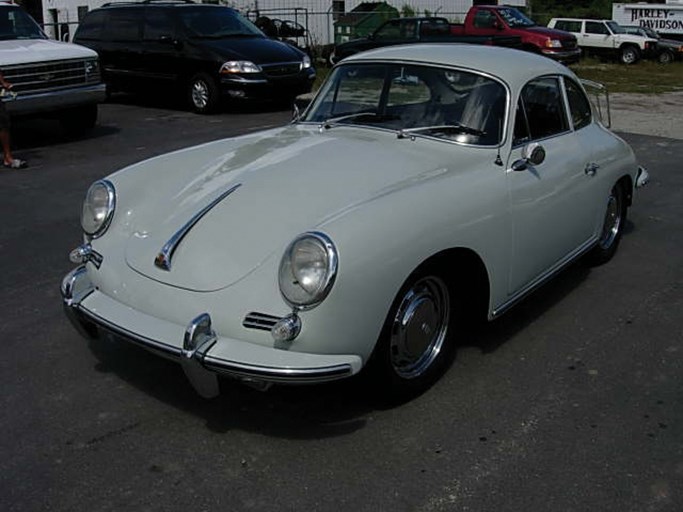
492 20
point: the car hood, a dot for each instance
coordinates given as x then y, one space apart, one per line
550 32
28 51
259 50
291 180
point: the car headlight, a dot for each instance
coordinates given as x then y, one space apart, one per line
306 63
307 270
553 43
98 208
240 66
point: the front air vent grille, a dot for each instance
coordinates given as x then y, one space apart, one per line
260 321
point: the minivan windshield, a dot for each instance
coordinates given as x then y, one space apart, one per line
16 24
216 23
413 100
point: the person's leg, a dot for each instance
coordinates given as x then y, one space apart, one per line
6 148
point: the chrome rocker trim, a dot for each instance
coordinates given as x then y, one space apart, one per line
200 367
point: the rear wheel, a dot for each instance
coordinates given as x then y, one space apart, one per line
629 55
203 94
612 228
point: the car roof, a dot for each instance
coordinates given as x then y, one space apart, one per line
161 3
510 65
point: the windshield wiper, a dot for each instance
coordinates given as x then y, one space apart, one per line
457 127
329 123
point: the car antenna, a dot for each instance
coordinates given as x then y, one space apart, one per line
499 160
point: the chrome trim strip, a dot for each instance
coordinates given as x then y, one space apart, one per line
260 321
163 259
272 374
543 278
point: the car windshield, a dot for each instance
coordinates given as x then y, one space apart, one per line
217 23
615 27
413 100
515 18
16 24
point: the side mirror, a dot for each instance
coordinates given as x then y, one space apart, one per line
498 25
532 154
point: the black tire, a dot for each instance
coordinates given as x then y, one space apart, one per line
629 55
416 344
203 94
666 57
77 121
613 227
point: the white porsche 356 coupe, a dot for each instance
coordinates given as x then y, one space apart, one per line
424 185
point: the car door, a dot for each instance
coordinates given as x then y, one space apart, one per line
121 48
552 213
597 36
161 49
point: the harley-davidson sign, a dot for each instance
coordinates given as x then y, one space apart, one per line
664 18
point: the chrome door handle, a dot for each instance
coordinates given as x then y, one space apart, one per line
591 169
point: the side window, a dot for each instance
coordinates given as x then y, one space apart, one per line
596 27
91 27
544 108
484 19
123 25
157 23
569 26
521 134
579 105
391 30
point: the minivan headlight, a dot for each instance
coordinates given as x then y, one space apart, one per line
98 208
307 270
240 66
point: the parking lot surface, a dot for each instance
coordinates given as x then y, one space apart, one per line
570 402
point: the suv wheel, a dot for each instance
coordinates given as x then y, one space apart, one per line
629 55
203 94
77 121
666 57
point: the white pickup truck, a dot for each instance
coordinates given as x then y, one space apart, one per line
607 38
49 78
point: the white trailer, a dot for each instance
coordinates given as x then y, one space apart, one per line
667 19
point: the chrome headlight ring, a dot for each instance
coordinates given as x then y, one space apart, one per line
308 269
98 208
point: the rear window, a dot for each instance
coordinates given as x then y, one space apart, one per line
91 27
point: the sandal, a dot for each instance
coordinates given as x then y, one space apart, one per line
16 164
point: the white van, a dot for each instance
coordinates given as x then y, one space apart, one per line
49 78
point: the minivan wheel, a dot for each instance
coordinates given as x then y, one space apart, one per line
203 94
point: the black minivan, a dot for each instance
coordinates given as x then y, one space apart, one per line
210 51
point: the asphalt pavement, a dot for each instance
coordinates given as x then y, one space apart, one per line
573 401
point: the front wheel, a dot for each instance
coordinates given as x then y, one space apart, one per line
629 55
666 57
416 342
203 94
612 228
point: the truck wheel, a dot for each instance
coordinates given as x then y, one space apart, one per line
629 55
77 121
203 94
666 57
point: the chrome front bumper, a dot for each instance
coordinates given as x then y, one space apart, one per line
202 354
34 103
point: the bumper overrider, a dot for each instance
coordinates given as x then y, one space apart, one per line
202 354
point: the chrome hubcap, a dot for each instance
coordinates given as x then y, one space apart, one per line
419 327
612 223
200 94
